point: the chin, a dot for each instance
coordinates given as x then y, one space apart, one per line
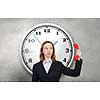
48 56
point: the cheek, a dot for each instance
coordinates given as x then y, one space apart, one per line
44 52
52 51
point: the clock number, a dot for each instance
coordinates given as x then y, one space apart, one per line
30 60
46 30
64 39
64 60
38 33
31 40
57 33
67 50
26 51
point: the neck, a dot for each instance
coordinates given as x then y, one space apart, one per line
47 58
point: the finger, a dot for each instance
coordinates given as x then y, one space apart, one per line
78 52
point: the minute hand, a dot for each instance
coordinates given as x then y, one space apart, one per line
37 39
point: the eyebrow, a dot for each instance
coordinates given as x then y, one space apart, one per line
47 47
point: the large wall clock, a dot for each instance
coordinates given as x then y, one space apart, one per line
63 43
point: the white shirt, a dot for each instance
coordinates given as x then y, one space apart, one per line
47 64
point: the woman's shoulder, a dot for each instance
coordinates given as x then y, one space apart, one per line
58 62
37 63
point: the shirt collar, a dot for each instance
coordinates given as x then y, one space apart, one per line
47 61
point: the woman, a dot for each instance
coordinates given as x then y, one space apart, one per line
49 69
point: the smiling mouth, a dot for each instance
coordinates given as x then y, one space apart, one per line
49 54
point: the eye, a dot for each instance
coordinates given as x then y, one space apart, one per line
51 48
45 48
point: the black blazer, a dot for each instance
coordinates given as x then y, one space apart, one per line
55 71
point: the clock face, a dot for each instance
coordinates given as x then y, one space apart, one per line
30 48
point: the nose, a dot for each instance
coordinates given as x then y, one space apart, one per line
48 50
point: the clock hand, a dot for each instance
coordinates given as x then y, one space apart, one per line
37 39
55 42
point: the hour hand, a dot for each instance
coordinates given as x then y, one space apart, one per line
55 42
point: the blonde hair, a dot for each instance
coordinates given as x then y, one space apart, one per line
53 57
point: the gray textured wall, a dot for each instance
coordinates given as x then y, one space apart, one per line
86 32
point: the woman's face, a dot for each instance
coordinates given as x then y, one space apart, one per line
47 50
